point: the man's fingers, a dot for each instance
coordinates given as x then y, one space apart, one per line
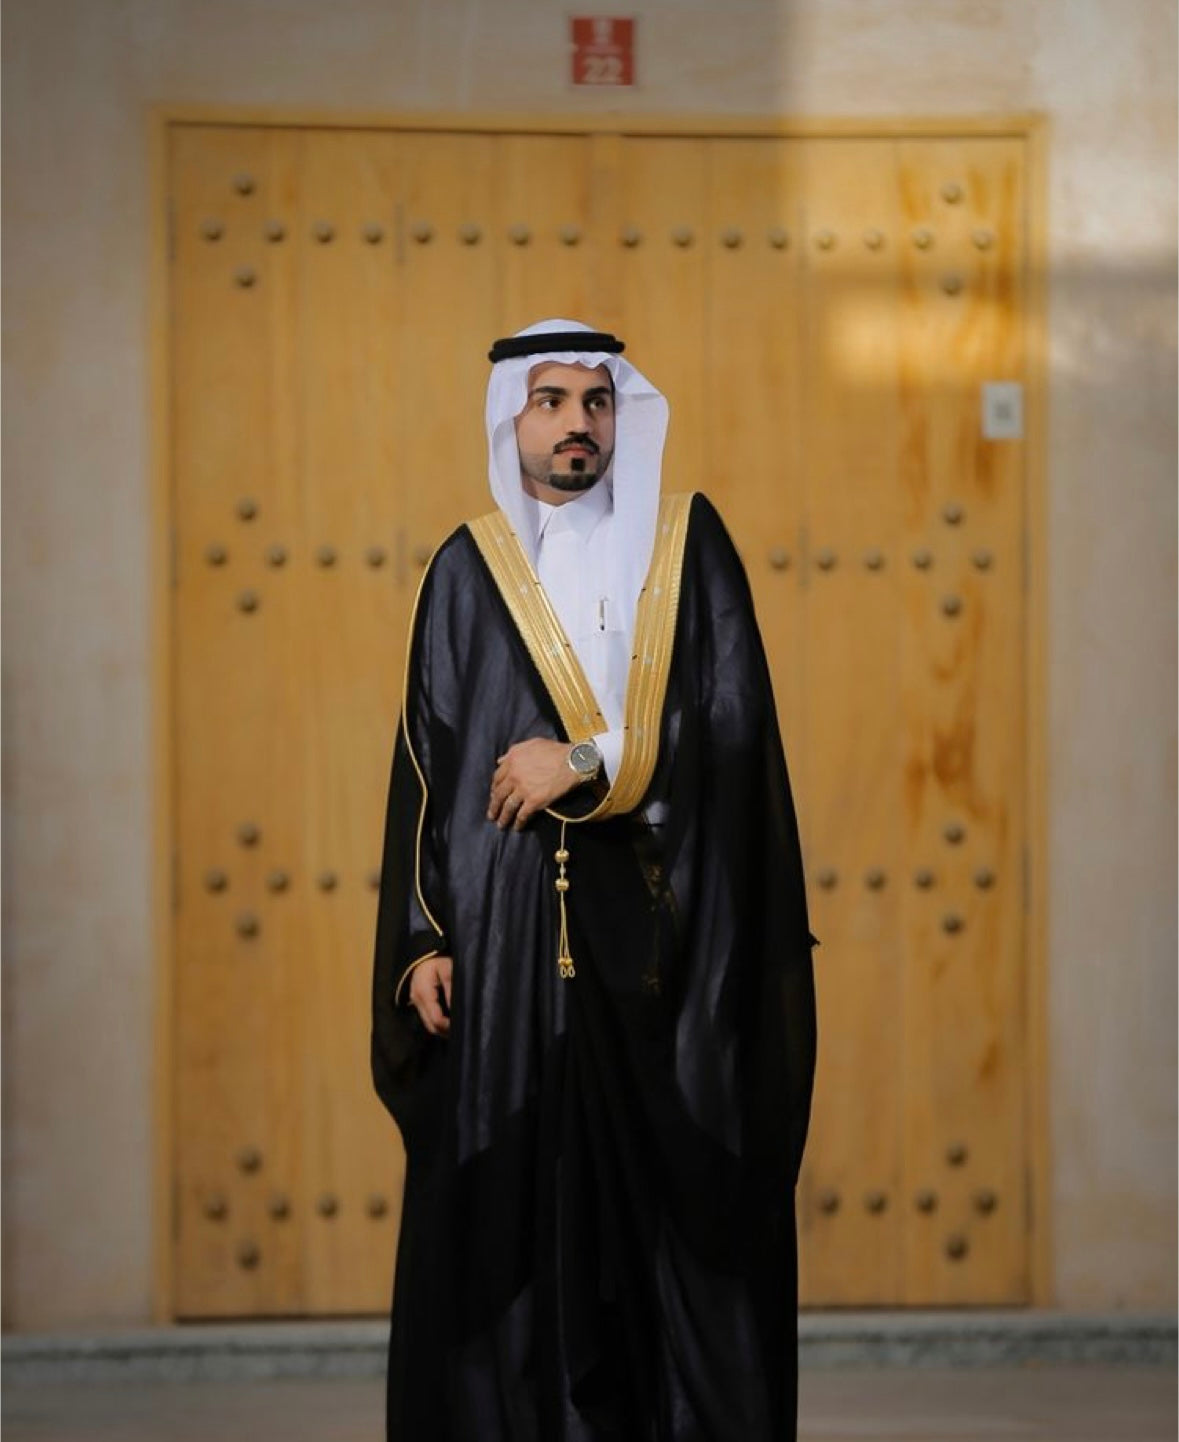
500 793
527 777
501 790
437 1022
434 1019
429 984
516 811
506 801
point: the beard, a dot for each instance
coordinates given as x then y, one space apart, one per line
574 481
545 469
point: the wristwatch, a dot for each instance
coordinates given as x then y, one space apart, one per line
586 760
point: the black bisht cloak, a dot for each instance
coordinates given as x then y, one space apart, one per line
598 1232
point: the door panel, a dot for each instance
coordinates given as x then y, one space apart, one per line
851 623
752 392
966 1131
238 767
662 283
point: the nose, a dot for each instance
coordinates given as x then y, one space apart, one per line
579 418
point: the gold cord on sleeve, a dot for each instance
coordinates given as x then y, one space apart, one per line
417 858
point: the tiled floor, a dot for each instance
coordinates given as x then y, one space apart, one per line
1092 1404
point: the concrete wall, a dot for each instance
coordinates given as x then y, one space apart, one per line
78 75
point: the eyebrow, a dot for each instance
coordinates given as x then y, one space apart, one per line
592 393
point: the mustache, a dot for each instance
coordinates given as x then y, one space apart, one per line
578 442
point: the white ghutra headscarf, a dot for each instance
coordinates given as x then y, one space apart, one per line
640 427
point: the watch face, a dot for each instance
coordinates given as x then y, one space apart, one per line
585 758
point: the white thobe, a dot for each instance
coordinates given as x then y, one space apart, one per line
572 562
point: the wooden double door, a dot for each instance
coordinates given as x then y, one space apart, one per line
824 314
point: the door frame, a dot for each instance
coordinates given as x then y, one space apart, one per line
1030 128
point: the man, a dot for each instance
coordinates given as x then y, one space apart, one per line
593 1008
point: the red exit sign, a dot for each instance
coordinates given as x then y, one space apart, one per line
603 50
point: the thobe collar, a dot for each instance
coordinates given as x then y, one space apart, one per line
582 514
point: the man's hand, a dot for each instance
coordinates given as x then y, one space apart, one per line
428 986
530 776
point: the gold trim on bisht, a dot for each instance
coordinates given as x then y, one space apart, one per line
553 655
551 650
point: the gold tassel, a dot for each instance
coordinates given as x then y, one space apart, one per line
564 960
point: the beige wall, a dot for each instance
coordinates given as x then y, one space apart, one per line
79 75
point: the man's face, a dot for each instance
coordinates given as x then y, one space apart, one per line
565 433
